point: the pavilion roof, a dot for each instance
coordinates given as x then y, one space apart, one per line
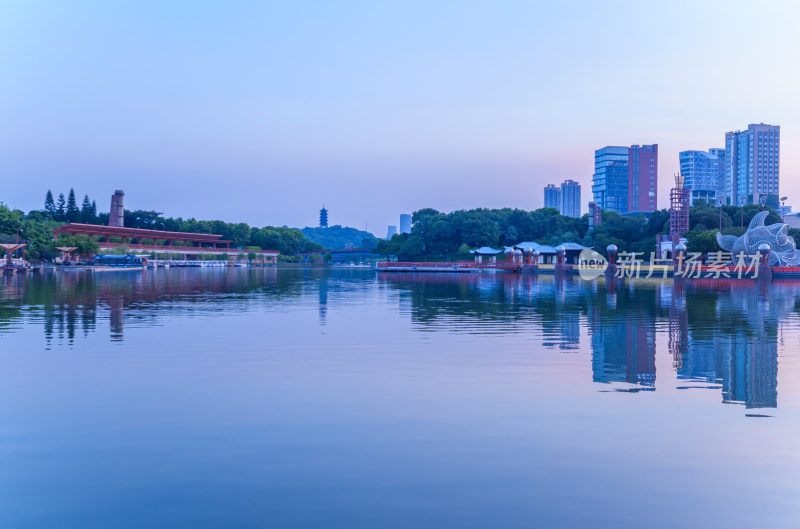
485 250
574 246
526 245
546 248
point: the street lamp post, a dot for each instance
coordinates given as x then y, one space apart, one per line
783 209
742 200
719 205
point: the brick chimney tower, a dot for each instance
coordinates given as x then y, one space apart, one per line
117 213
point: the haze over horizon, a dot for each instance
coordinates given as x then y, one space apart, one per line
263 112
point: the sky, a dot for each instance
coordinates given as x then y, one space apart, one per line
262 112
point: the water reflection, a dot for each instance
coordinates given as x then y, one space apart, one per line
721 335
733 341
68 303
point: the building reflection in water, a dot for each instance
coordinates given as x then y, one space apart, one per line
70 303
623 336
323 299
723 334
731 339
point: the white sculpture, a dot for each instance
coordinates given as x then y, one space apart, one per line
783 250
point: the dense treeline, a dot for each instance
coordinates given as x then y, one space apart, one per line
36 228
435 234
288 241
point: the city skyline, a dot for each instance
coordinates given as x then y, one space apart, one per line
492 103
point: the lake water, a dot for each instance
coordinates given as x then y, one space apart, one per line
354 399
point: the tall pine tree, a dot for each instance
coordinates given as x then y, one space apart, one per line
50 204
86 210
61 208
94 212
73 213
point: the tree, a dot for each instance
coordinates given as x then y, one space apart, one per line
50 204
794 233
146 220
86 211
94 212
421 220
703 241
10 220
413 247
38 233
73 213
85 244
61 209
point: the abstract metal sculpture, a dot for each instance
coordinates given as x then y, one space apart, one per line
783 248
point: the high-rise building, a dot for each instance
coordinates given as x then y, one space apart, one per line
752 167
625 179
552 197
570 199
116 216
391 232
610 179
405 223
642 178
702 172
720 154
323 217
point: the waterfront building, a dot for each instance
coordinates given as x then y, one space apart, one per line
405 223
391 232
323 217
752 164
570 204
189 245
703 173
625 179
552 197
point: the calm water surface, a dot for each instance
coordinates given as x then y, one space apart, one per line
355 399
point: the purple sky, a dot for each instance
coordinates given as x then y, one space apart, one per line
260 113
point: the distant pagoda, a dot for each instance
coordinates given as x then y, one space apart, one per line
323 217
